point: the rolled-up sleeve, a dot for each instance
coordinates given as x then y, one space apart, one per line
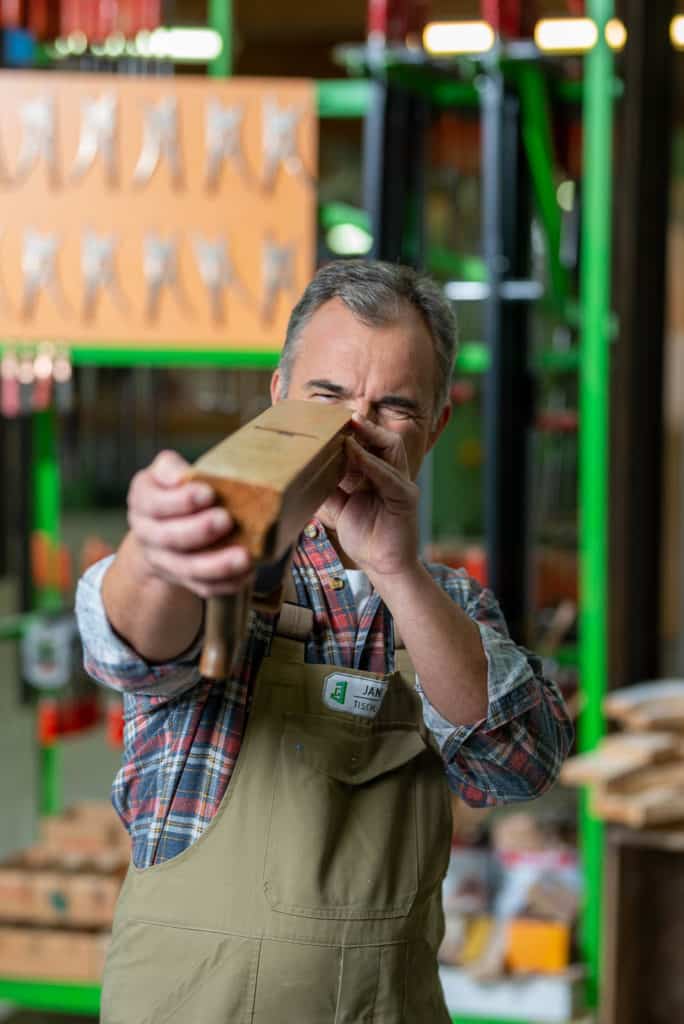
109 660
516 752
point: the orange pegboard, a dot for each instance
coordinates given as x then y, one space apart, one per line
196 179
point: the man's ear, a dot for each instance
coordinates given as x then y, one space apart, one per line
276 387
444 418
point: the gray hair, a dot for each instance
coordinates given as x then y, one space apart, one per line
374 292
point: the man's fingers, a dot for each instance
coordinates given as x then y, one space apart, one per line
353 479
334 505
234 586
378 437
146 497
385 478
169 469
226 566
385 443
182 533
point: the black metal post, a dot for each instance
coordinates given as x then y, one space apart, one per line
508 393
642 201
395 132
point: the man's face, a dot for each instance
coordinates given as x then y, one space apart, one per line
385 373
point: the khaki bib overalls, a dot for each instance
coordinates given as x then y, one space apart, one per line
314 896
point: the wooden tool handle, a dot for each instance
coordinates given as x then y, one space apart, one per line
225 629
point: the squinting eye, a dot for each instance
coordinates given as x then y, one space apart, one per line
395 414
325 398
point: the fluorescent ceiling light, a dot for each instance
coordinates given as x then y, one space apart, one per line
677 32
616 34
457 37
566 35
186 44
348 240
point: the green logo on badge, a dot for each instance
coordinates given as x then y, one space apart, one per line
339 692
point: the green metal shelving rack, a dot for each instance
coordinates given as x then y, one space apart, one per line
52 996
594 395
349 98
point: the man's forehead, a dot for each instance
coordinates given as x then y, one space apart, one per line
333 322
394 357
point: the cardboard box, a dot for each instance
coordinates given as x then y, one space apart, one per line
53 896
51 954
85 829
103 862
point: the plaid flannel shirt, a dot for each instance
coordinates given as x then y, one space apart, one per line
182 733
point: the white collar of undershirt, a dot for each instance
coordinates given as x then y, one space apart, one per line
360 587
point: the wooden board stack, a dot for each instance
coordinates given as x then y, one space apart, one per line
636 775
57 898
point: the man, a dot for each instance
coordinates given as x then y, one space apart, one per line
291 826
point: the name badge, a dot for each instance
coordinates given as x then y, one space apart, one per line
354 695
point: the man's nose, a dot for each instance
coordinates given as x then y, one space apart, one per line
365 407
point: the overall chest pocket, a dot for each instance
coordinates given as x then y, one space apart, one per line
343 838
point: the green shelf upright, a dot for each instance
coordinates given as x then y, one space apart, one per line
594 380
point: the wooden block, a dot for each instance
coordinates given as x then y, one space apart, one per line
537 947
274 473
661 714
658 705
618 755
650 797
271 475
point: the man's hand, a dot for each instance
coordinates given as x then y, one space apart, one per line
375 515
182 535
177 552
374 511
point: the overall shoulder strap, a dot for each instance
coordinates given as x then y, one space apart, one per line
295 622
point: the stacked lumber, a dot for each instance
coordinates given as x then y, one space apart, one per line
57 898
636 775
